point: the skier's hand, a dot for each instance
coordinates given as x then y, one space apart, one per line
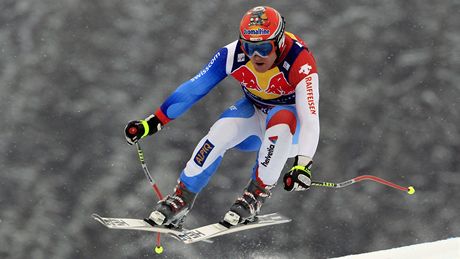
138 129
134 131
299 177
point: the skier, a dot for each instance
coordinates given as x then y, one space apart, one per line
277 117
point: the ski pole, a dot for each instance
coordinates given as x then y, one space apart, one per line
149 177
140 153
410 189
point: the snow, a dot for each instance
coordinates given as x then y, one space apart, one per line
448 248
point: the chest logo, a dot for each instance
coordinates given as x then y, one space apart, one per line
268 85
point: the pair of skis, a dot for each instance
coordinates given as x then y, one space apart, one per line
203 233
207 232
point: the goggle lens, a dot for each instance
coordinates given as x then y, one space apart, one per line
263 49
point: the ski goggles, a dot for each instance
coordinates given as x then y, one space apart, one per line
261 48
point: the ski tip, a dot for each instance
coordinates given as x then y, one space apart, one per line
95 216
98 218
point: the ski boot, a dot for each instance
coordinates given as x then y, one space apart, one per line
246 208
171 210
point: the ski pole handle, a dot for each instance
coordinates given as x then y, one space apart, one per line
332 185
132 130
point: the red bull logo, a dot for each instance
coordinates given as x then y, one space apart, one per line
268 85
279 86
246 78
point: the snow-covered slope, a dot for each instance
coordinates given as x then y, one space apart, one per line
442 249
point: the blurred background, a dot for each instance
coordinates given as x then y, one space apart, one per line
74 72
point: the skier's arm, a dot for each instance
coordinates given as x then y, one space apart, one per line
307 104
194 89
181 99
305 75
307 98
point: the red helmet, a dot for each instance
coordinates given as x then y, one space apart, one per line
263 23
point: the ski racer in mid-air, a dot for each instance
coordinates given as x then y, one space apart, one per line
277 117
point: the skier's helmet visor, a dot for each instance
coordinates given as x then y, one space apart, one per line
261 48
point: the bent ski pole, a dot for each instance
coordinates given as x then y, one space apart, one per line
410 189
140 153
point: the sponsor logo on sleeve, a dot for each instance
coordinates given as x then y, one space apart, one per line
310 96
305 69
203 153
206 69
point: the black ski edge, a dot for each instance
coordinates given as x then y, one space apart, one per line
225 224
150 222
246 222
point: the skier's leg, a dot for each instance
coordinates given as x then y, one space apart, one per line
237 126
277 145
280 124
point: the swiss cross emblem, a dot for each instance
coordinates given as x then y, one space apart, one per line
305 69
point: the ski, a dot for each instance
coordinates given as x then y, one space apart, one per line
203 233
219 229
137 224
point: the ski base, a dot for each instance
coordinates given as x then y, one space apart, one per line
203 233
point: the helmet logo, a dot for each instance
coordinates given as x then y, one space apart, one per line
262 23
259 17
258 31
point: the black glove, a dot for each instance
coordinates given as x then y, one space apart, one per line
136 130
299 177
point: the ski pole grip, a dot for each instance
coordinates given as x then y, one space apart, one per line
132 130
